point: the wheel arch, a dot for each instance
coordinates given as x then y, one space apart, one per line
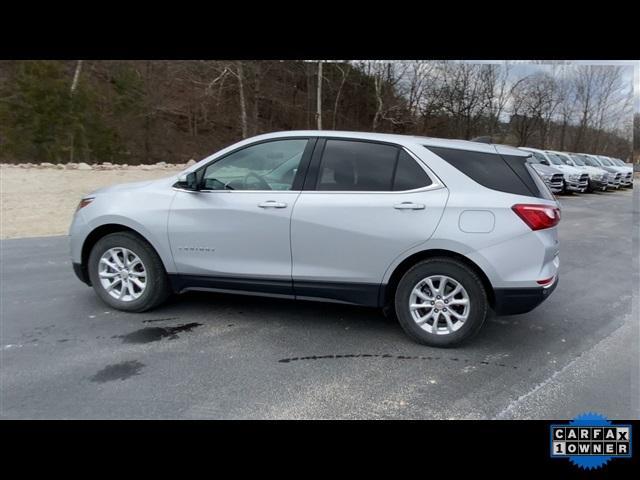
100 232
388 291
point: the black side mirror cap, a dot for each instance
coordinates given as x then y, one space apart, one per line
188 181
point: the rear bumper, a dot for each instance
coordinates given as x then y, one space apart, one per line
513 301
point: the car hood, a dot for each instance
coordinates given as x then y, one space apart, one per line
594 170
132 186
610 169
624 170
545 169
568 169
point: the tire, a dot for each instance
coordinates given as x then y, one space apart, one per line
473 289
156 284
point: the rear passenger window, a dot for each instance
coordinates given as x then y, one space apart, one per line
357 166
409 175
368 167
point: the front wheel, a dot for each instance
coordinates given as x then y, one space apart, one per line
127 273
441 302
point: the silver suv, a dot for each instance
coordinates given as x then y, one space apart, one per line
439 231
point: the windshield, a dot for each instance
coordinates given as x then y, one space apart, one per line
532 159
565 158
593 161
578 160
553 158
617 161
605 161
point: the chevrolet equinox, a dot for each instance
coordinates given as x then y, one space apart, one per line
441 232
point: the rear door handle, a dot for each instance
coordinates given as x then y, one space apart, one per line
408 206
272 204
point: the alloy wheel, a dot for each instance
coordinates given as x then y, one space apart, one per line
122 274
439 304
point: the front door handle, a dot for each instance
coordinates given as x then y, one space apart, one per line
409 206
272 204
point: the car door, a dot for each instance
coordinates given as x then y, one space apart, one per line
234 231
363 204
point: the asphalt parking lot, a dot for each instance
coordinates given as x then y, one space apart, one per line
64 354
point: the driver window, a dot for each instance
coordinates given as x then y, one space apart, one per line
265 166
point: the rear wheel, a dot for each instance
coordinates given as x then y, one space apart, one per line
441 302
127 273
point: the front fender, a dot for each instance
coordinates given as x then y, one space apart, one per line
155 234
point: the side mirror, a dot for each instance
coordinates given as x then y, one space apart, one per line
188 181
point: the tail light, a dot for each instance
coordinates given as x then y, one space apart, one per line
546 282
538 217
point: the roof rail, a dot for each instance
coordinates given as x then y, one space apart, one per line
485 139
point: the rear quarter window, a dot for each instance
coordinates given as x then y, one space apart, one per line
504 173
409 175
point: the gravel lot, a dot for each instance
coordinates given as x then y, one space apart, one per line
40 201
65 354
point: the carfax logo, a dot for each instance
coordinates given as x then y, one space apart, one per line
590 441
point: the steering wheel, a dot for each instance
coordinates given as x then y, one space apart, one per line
263 185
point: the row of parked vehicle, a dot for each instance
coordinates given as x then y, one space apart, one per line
565 172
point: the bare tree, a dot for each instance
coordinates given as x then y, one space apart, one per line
385 76
548 109
532 103
76 77
567 108
418 87
257 76
319 97
243 104
462 97
496 92
610 100
636 137
344 74
378 75
585 90
72 90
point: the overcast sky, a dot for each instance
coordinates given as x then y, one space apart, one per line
632 73
525 67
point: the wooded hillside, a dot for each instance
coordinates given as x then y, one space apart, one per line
149 111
